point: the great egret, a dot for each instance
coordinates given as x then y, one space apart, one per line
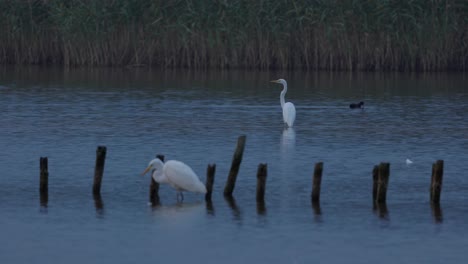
177 174
289 111
358 105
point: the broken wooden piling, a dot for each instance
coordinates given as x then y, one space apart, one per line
99 169
44 175
382 182
44 181
261 182
436 181
375 179
236 161
316 182
154 186
210 173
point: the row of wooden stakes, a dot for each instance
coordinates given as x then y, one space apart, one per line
380 173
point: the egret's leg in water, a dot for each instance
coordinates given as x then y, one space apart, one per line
181 195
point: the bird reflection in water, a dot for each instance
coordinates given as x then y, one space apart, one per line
288 140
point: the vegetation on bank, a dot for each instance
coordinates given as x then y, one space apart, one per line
405 35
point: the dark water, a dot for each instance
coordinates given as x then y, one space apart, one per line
196 117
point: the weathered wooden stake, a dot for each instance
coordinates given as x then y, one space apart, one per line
382 182
154 186
44 175
210 173
261 182
436 181
99 169
43 182
316 182
375 179
236 161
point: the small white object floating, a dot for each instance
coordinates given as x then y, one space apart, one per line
408 162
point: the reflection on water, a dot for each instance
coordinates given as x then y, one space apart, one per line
437 213
44 199
210 208
261 208
236 212
288 140
196 117
316 208
382 210
98 204
179 212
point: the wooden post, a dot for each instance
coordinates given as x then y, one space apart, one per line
436 182
261 182
99 169
154 186
44 175
382 182
210 173
44 181
236 161
316 182
375 179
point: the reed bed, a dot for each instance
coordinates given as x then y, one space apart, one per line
374 35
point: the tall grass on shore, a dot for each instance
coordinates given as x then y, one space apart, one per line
403 35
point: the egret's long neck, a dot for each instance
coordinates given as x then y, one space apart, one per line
285 89
158 174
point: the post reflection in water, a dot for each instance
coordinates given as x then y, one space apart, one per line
382 210
44 199
437 212
210 208
98 204
261 208
235 209
317 209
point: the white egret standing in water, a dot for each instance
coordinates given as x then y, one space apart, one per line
289 111
177 174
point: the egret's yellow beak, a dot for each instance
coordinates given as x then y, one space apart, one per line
275 81
146 170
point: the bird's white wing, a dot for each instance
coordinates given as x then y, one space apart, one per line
289 113
183 177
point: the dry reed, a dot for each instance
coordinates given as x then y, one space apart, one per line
395 35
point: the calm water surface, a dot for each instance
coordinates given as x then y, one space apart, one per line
197 117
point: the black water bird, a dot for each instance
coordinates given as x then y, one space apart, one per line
358 105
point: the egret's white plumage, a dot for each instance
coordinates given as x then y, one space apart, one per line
289 111
177 174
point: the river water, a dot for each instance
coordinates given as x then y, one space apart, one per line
196 117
